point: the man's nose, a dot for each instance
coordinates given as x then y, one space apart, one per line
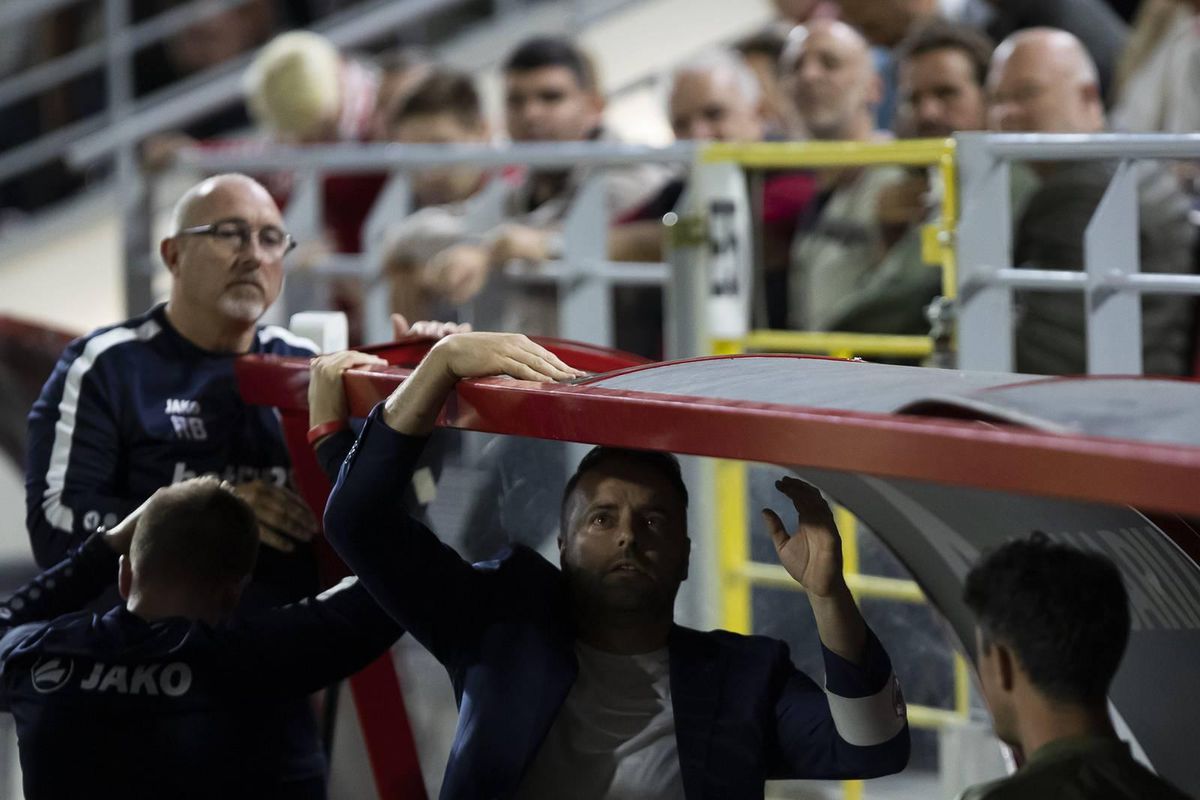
929 110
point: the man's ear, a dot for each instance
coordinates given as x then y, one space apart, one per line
124 577
875 90
1006 666
168 249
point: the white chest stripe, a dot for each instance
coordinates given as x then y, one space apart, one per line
57 514
867 721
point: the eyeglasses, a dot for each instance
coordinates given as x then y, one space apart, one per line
235 234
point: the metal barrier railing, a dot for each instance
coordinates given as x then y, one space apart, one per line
1110 279
972 252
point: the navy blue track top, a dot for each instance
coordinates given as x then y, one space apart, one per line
135 407
114 706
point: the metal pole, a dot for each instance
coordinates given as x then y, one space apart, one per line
118 74
1110 248
585 308
984 244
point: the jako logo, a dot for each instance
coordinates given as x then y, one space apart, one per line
187 407
52 673
174 680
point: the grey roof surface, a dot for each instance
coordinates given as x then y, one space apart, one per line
806 382
1140 409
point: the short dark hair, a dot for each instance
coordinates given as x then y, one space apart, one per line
552 51
1064 613
443 92
198 532
769 42
664 463
402 59
941 34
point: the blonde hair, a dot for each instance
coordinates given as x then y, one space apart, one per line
293 85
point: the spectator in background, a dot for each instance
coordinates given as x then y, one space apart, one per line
1043 81
762 52
836 89
942 69
1101 31
1156 78
801 12
717 97
443 108
300 90
885 23
551 95
400 71
1052 623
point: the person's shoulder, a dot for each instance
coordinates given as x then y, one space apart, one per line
107 339
985 791
277 340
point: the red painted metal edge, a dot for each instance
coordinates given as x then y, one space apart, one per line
1148 476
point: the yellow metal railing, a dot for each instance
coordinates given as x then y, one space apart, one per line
738 574
938 240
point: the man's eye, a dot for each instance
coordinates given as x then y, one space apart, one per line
228 231
271 237
601 520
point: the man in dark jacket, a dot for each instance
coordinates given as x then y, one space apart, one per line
577 682
168 695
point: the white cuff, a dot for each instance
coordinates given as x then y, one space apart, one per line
867 721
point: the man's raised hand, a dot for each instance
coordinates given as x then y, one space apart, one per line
479 355
813 554
326 395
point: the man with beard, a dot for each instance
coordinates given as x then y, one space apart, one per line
942 68
577 682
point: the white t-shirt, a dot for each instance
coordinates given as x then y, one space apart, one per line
614 737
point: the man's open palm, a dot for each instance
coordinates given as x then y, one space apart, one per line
813 554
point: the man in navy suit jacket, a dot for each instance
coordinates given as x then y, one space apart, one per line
576 682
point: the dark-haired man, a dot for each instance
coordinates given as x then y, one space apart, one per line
165 696
551 94
1051 627
578 683
941 67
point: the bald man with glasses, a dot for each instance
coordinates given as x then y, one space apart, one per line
153 401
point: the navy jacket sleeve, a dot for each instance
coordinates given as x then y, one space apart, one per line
62 589
305 646
855 728
421 582
73 455
331 452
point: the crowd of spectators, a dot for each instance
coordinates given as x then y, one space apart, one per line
840 249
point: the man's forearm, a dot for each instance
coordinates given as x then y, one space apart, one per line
840 624
413 410
67 586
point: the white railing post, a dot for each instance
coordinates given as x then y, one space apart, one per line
392 205
984 245
1111 250
585 306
